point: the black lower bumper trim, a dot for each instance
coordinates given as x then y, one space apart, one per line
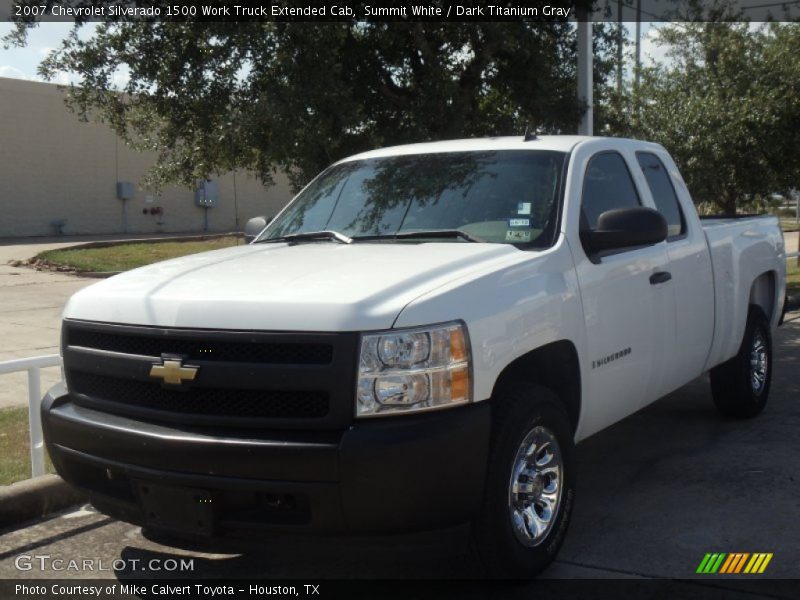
399 474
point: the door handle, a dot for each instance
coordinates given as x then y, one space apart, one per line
660 277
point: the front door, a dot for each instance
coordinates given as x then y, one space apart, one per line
628 306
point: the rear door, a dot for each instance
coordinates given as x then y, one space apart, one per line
690 268
628 317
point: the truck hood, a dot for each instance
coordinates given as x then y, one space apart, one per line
319 286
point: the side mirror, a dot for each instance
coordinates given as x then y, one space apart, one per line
626 228
253 227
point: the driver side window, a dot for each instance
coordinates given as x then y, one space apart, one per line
607 185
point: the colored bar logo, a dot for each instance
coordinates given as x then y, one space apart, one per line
734 563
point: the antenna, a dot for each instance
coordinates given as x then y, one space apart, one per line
530 135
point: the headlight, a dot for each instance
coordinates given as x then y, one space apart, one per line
411 370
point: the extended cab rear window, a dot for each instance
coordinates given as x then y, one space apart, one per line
504 196
663 193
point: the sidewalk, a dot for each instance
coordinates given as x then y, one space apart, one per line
30 323
792 240
31 303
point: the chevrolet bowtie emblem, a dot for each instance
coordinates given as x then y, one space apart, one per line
173 372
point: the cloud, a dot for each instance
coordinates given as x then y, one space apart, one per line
22 63
121 77
655 52
62 78
14 73
652 51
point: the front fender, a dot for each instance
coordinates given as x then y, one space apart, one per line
509 310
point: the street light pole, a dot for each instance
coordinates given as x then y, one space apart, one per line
585 53
638 42
619 47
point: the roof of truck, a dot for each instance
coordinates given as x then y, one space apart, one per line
560 143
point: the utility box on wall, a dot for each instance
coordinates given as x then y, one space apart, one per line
207 193
125 190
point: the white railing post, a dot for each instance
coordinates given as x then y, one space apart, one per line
33 367
35 422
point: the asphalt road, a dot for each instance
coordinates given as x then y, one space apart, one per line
655 493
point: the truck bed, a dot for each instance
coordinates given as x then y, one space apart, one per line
743 242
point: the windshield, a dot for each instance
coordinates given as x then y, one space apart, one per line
507 196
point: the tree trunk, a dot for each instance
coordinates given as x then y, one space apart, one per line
727 202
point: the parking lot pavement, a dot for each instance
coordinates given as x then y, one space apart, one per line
656 492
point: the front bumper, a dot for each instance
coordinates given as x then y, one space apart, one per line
382 476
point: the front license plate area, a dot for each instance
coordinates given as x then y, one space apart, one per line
181 509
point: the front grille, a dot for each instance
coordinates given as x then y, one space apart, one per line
244 379
258 404
204 349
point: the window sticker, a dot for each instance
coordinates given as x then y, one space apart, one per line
518 235
519 222
524 208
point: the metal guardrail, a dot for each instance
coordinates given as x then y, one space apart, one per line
33 366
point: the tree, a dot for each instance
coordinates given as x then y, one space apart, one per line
727 106
208 97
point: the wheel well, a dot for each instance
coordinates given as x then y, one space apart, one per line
554 366
762 293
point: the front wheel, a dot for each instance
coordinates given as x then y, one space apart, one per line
529 485
740 386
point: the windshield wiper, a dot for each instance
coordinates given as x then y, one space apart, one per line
310 235
431 233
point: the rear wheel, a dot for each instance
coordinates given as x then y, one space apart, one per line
740 386
529 485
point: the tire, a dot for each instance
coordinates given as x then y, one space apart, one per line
524 413
740 386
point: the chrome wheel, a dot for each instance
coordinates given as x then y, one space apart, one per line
758 362
534 492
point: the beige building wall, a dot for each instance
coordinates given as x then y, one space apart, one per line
53 167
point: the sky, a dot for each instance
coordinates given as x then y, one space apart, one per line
21 63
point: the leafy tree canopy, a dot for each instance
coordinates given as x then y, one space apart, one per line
727 106
209 97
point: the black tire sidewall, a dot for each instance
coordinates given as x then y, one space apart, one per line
732 390
523 408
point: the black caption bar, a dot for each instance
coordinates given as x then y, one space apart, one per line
564 589
289 10
431 10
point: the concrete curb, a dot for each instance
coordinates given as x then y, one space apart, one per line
35 498
109 243
159 240
96 274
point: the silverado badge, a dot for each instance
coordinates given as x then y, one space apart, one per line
173 372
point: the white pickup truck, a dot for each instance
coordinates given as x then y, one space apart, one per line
416 341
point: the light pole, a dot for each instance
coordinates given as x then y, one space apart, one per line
585 56
638 43
619 47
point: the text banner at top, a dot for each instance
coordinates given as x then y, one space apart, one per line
433 10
